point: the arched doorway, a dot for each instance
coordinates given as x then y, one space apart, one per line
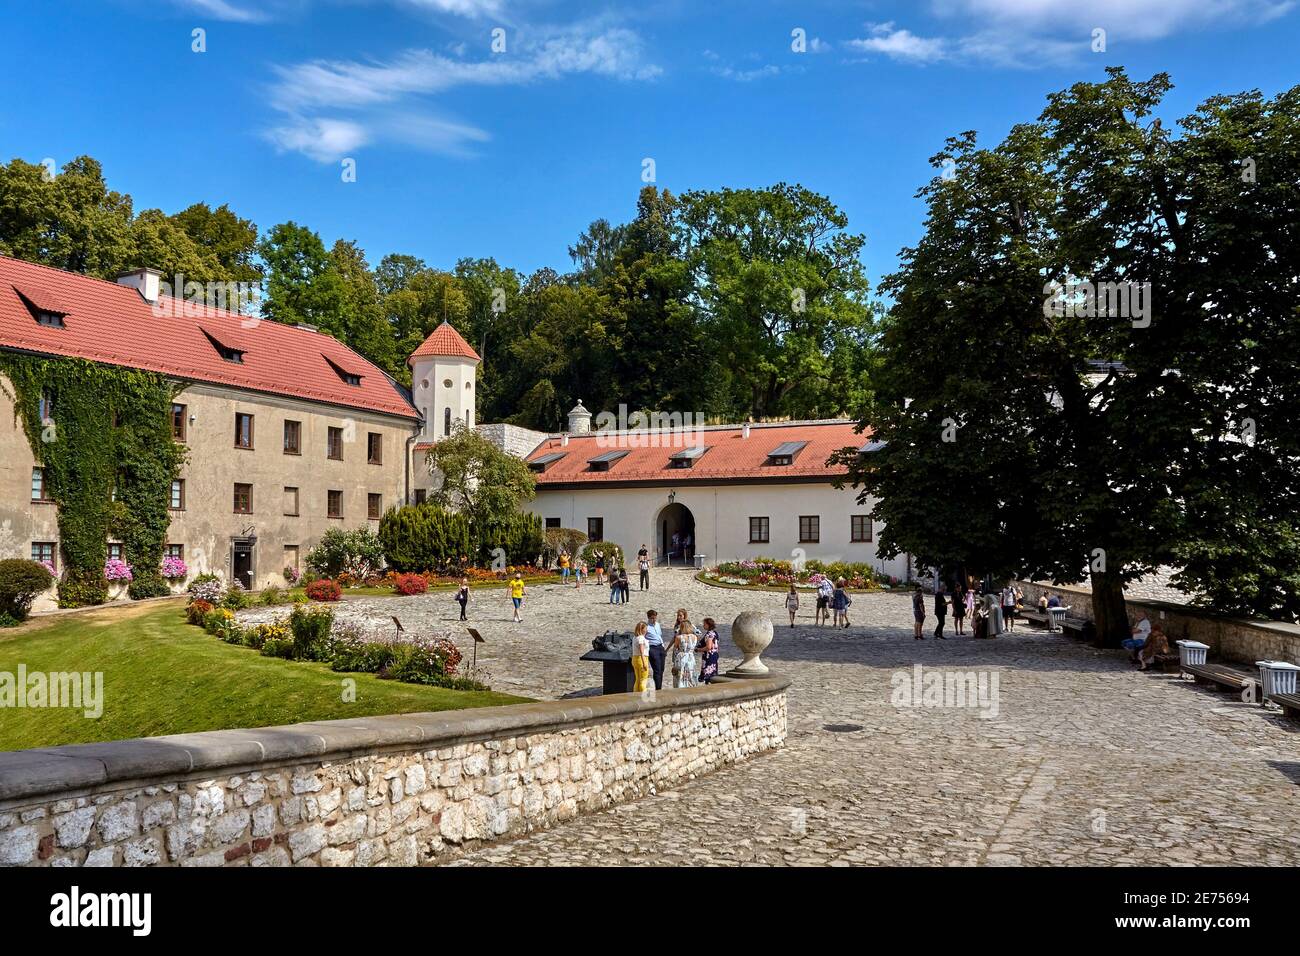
675 534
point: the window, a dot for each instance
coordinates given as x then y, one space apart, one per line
349 378
759 530
177 502
52 319
540 465
291 556
335 505
39 491
446 421
595 529
47 552
178 422
860 528
785 453
290 500
809 529
243 430
374 506
293 438
606 461
243 499
176 551
228 353
334 443
687 457
114 551
375 448
420 496
552 522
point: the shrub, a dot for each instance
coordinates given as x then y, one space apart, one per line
324 590
148 584
311 632
236 597
278 648
357 552
410 584
197 611
81 587
207 587
424 536
520 536
21 580
556 540
291 575
355 649
273 595
613 554
258 635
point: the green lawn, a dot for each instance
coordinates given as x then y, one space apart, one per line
163 676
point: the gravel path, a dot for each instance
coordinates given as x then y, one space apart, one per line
1085 761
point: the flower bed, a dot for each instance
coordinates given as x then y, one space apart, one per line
310 633
770 573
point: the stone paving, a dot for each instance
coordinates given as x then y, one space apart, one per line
1085 761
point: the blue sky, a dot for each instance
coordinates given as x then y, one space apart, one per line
463 151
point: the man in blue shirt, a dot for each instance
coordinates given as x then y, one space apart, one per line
655 640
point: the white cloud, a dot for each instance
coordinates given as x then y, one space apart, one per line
382 100
461 8
225 10
901 44
747 76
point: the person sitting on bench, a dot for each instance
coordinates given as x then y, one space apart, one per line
1156 644
1141 631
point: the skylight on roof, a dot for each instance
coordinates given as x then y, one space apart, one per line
541 464
686 457
785 453
605 462
225 351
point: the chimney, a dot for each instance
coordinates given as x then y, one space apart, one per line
579 419
564 440
144 281
744 430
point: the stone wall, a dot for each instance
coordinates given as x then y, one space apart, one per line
1229 638
400 790
512 439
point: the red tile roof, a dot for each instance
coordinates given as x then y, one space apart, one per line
110 323
729 456
445 341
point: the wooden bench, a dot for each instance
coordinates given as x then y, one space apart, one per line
1290 704
1165 664
1225 677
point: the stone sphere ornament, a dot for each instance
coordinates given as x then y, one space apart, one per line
751 631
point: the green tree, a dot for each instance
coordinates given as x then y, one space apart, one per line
479 480
1071 439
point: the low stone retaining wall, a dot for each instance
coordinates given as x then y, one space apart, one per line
399 790
1230 638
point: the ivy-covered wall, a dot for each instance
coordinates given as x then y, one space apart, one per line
104 428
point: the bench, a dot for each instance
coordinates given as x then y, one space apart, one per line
1290 704
1165 664
1227 678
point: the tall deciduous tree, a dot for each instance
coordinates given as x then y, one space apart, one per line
1072 430
479 480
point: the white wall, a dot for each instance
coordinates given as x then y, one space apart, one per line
722 514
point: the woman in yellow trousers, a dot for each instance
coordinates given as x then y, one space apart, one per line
640 659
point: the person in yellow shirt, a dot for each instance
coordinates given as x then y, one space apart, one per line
516 587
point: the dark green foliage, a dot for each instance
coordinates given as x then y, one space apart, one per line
518 536
21 580
613 554
109 433
424 537
311 631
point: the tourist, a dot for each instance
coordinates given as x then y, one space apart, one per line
580 573
840 602
1009 607
825 590
1054 601
708 648
1138 636
683 660
462 597
516 588
564 565
614 596
688 546
655 638
624 586
643 565
940 610
958 611
677 544
792 602
640 659
918 611
600 567
1156 644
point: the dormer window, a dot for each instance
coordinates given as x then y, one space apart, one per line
687 457
349 378
44 307
785 453
606 461
539 465
225 351
51 320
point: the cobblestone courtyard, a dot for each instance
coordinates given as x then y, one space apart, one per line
1086 761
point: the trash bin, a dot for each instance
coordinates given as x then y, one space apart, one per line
1056 617
699 561
1278 677
1191 653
